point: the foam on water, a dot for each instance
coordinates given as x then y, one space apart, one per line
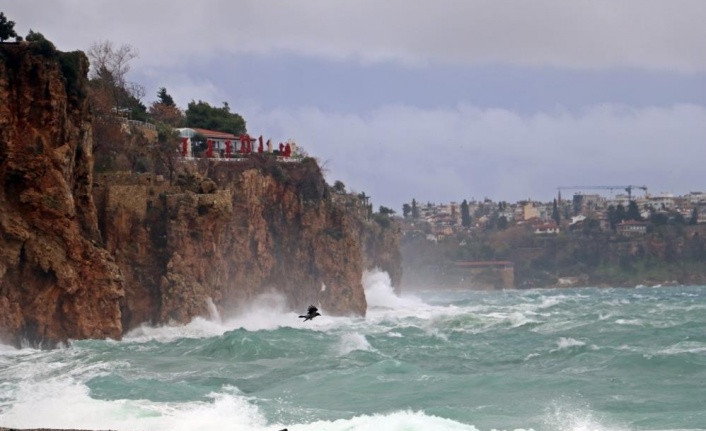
351 342
68 404
570 415
462 361
266 312
567 343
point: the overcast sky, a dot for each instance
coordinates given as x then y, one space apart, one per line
434 100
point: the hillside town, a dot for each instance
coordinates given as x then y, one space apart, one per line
621 213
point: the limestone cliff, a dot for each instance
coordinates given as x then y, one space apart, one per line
84 256
56 282
256 226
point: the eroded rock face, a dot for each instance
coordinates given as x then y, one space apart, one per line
265 227
93 256
56 282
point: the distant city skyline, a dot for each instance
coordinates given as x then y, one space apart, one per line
444 102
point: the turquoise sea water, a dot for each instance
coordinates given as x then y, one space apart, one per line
571 359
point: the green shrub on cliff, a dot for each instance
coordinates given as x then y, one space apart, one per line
40 44
7 28
382 219
202 115
72 72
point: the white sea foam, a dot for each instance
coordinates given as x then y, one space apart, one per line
66 404
380 294
214 314
401 420
683 347
570 415
352 341
567 343
629 322
266 312
269 311
516 319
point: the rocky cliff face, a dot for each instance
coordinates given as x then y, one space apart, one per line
93 257
56 282
258 226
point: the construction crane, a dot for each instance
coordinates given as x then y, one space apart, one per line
628 189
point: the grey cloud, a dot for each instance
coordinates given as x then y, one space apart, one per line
652 34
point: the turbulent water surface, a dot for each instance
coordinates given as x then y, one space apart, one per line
579 359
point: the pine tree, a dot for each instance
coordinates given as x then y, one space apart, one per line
7 28
633 212
415 209
165 98
555 212
465 214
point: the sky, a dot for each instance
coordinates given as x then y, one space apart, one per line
437 101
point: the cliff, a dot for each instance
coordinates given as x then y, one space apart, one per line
253 227
56 282
84 256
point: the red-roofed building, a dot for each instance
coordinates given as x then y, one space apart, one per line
218 139
631 228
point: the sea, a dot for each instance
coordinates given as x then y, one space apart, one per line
580 359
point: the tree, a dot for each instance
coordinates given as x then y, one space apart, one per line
465 214
112 93
202 115
164 110
633 212
615 215
165 98
7 28
107 60
170 115
386 211
166 151
415 209
339 188
41 44
555 212
406 210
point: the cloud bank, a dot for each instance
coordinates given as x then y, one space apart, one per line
651 34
